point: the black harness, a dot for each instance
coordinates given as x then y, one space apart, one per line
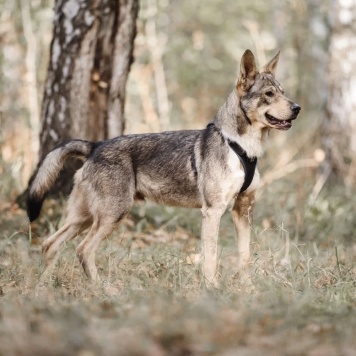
248 163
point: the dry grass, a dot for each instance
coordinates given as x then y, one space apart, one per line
300 299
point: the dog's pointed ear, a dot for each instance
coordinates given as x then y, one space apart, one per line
248 71
271 66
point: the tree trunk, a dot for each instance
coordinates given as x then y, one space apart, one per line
91 55
339 128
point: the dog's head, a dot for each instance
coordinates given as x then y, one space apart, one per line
262 98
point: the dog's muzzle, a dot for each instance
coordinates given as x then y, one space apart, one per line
284 124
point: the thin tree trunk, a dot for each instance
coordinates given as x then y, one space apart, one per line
156 49
31 86
339 128
122 60
90 58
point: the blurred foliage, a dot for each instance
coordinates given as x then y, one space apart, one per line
332 217
202 43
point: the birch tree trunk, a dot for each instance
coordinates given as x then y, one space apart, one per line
90 59
339 128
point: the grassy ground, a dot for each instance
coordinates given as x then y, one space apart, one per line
300 299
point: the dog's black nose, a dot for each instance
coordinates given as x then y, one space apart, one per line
295 108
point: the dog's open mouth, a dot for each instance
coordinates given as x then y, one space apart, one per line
279 124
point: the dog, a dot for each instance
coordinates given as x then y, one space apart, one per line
204 169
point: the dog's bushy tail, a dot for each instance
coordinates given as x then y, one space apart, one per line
49 170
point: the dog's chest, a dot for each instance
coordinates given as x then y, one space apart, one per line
235 174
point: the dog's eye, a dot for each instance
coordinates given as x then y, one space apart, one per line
270 93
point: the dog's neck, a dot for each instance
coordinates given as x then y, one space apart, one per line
234 125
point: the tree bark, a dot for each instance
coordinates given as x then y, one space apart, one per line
339 127
90 58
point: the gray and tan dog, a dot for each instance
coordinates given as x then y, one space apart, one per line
195 169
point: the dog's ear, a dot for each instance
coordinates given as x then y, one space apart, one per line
271 66
248 71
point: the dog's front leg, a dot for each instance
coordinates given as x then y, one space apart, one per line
242 217
209 240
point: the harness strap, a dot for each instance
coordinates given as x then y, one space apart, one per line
249 164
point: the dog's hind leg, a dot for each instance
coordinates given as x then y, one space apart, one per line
242 217
209 240
111 189
77 220
51 247
86 250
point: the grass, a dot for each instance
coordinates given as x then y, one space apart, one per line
300 299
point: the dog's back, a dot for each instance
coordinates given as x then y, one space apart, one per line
161 167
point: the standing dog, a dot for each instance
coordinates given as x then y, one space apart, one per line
204 169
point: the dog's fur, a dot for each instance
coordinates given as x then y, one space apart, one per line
195 169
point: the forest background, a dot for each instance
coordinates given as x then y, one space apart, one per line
186 60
